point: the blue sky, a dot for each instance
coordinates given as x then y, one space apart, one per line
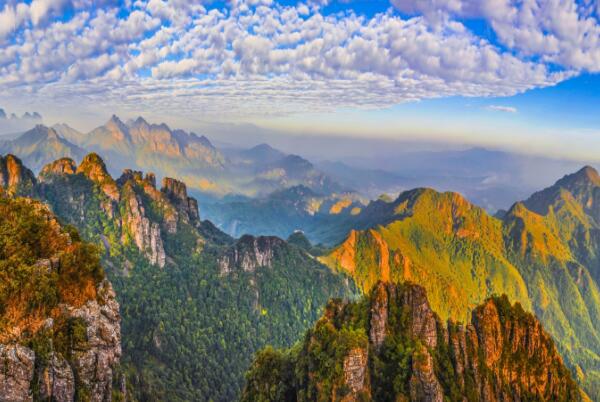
499 73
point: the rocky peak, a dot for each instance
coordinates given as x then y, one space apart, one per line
174 189
130 175
584 177
140 121
15 178
151 178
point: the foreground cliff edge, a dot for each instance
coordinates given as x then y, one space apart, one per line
60 336
390 346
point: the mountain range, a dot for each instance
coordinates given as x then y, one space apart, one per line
137 144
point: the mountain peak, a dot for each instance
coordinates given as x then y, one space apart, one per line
585 175
116 121
140 121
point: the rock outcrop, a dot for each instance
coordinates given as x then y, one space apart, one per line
87 369
176 191
17 373
93 167
392 346
249 253
356 373
61 166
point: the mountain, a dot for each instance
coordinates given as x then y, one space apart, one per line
60 336
137 144
542 252
11 124
196 303
141 145
283 212
391 346
69 133
40 146
258 155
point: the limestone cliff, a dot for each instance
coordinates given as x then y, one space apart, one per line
391 346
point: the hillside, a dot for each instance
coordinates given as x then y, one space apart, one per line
186 289
542 253
59 320
391 346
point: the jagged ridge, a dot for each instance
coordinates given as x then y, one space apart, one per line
391 346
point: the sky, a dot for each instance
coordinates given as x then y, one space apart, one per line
509 74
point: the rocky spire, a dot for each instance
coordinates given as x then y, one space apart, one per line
176 191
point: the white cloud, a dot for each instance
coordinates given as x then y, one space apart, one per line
257 57
565 32
500 108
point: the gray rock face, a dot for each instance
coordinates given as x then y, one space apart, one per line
16 373
56 380
423 319
379 317
355 370
146 234
92 365
249 253
424 385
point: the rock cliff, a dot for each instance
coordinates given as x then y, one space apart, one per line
60 335
249 253
15 178
130 209
392 346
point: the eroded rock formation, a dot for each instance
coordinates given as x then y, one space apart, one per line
392 346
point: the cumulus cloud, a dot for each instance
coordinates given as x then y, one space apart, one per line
259 57
564 32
